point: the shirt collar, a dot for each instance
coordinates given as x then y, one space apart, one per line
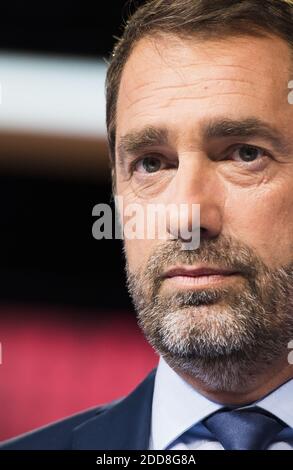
177 406
280 403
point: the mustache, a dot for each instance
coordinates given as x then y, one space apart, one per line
224 252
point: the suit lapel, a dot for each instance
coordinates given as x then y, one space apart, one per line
124 426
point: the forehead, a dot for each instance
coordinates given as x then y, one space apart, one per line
169 81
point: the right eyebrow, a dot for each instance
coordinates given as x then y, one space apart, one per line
135 142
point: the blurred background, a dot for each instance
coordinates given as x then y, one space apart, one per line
68 333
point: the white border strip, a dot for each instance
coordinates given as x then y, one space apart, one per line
54 95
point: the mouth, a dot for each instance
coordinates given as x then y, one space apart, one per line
192 276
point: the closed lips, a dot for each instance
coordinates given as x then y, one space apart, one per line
197 272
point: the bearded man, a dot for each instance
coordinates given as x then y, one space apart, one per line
198 113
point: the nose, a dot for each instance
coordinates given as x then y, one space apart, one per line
196 183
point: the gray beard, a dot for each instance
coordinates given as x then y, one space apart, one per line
219 336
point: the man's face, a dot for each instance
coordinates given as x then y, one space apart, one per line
209 123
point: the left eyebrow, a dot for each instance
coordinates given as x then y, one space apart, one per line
244 128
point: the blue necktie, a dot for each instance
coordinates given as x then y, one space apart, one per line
244 429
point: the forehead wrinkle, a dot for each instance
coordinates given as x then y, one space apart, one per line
200 81
217 66
209 95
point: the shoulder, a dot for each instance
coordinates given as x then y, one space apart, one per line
57 435
120 424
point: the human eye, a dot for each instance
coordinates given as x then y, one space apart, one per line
249 155
148 164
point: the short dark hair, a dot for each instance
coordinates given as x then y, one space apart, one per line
205 19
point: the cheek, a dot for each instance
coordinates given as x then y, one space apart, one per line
138 252
264 222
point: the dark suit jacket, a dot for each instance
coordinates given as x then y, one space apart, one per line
120 425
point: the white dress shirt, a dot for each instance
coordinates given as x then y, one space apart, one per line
177 407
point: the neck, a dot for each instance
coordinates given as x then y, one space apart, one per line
256 386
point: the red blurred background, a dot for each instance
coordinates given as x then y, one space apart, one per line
68 333
53 367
